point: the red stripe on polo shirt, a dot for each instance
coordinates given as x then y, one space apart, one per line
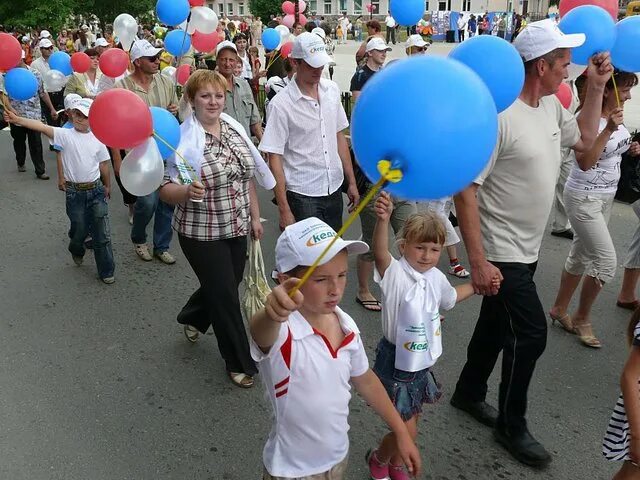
285 350
282 383
282 392
345 342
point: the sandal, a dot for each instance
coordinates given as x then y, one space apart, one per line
192 333
564 321
628 305
370 305
587 340
241 380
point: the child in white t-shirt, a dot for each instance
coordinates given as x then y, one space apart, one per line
85 164
309 352
413 293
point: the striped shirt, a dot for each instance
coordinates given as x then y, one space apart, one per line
161 93
30 108
615 445
304 131
227 168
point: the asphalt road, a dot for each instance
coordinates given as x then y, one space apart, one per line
97 382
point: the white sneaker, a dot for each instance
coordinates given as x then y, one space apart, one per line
458 271
142 250
166 257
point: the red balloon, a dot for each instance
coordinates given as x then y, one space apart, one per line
196 3
10 52
114 62
565 95
285 50
80 62
288 7
205 42
120 119
302 19
183 73
610 6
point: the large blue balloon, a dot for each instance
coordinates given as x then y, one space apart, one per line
625 54
166 126
270 39
61 61
598 26
177 42
440 149
20 84
407 12
503 74
172 12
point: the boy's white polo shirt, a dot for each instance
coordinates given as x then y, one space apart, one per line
307 383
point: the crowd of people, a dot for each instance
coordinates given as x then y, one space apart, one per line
307 349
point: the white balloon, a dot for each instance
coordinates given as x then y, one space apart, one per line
142 169
283 30
125 28
203 19
575 71
169 72
54 80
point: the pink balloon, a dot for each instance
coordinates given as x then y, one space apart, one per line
564 95
302 19
369 7
302 6
10 52
205 42
610 6
183 73
288 7
288 21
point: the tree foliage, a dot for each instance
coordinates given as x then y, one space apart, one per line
265 8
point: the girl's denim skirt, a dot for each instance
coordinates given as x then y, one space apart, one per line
407 390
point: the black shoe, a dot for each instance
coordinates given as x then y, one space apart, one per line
22 168
481 411
523 447
563 234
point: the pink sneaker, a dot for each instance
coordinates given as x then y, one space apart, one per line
398 472
377 470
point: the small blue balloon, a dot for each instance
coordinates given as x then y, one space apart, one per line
20 84
270 39
597 25
167 127
407 12
625 55
440 154
503 75
172 12
61 61
177 42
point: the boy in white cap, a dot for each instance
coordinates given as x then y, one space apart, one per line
503 216
86 171
415 45
309 352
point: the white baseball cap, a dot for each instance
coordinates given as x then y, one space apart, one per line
320 31
83 105
416 41
226 44
45 43
142 48
26 38
302 243
376 43
45 34
311 48
101 42
539 38
70 99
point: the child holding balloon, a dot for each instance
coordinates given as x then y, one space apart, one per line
413 292
87 179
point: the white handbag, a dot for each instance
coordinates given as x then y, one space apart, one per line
255 282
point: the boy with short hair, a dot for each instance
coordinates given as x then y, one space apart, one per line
309 350
86 172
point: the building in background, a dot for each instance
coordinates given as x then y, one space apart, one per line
230 8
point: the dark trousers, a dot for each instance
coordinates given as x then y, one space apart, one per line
391 35
461 35
219 266
327 208
57 99
127 198
20 137
512 322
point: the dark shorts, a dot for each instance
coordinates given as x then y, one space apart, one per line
407 390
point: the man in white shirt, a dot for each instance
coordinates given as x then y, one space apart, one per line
503 216
41 65
344 25
391 24
309 154
462 26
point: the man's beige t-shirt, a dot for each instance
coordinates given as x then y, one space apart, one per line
517 187
162 91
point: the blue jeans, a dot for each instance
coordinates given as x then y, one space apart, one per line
143 213
88 209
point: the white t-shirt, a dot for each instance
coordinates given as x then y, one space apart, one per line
603 177
517 186
307 384
461 23
390 22
82 154
440 295
246 67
